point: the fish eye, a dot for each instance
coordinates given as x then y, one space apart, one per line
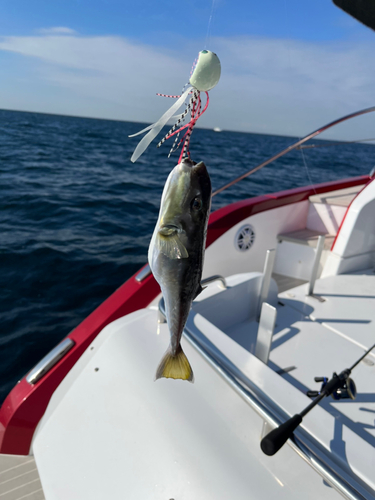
196 204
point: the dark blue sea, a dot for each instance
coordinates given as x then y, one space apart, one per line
76 215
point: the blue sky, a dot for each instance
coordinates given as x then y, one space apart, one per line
288 66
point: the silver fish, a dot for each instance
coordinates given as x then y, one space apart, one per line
176 255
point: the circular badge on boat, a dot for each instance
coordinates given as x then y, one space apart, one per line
245 238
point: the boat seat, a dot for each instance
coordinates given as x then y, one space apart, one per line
307 237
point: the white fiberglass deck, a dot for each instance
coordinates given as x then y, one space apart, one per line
313 338
115 433
112 432
348 308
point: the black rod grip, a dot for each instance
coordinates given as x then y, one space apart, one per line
274 440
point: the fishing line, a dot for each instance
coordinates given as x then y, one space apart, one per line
307 168
208 35
290 73
289 37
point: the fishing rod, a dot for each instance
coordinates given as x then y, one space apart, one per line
293 146
339 387
338 143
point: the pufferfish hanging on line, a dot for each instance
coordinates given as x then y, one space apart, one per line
176 255
177 245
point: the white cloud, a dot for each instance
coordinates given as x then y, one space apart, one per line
268 85
57 30
292 86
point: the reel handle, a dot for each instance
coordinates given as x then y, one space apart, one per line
271 443
312 394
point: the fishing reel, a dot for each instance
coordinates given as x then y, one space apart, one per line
339 387
347 390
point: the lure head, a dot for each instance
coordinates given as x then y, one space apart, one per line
207 72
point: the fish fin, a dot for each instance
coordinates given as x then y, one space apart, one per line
167 231
171 246
175 366
199 290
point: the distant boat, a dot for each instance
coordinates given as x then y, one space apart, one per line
217 129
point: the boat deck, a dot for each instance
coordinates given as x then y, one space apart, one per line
286 282
313 337
307 335
178 427
19 478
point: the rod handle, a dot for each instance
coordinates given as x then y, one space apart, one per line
272 443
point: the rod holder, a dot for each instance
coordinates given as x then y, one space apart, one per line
266 280
263 345
315 268
265 332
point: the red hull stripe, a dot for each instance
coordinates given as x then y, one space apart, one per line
25 405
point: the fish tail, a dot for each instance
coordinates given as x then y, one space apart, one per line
175 366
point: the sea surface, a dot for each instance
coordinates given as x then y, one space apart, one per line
76 216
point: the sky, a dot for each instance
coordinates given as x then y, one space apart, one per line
288 66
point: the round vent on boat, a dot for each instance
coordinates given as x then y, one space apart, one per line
245 238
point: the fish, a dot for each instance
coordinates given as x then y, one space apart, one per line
176 255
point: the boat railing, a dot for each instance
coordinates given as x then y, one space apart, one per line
212 279
143 273
49 361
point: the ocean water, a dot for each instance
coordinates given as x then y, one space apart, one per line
76 215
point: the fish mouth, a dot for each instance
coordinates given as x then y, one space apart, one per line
199 171
186 162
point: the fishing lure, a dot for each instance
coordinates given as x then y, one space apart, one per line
204 76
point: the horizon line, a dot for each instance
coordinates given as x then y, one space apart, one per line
200 128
